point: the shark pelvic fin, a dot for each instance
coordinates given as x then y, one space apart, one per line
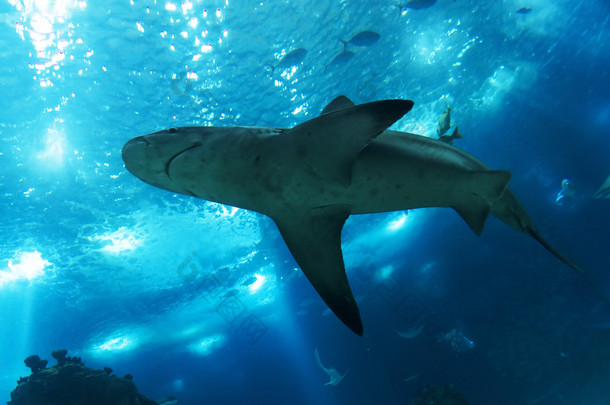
337 104
329 144
489 185
314 239
475 214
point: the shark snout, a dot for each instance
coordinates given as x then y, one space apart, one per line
148 158
134 149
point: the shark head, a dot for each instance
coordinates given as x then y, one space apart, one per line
150 157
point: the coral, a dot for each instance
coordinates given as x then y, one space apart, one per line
439 395
34 363
71 383
74 360
60 356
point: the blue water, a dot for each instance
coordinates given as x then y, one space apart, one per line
132 277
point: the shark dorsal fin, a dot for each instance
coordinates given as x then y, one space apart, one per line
329 144
337 104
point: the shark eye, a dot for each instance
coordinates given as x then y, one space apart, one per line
172 130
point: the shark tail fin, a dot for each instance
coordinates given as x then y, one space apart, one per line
488 186
533 232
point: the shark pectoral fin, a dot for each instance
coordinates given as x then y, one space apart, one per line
475 213
314 239
329 144
337 104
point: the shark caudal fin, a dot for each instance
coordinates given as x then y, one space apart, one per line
510 211
487 186
533 232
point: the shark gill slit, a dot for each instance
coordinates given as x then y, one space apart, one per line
170 160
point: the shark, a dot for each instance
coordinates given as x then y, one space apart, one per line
333 374
310 178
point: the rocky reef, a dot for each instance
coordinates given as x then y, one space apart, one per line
70 382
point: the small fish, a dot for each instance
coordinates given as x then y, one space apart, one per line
444 122
249 280
417 4
292 58
232 292
410 378
331 372
411 333
364 38
450 138
604 190
168 401
566 194
524 10
340 59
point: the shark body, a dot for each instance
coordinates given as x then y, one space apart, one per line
310 178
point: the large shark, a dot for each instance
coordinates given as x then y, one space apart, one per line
309 179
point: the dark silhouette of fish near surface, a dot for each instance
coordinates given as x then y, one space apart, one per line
291 59
340 59
364 38
417 4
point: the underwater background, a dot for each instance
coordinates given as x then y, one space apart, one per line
204 302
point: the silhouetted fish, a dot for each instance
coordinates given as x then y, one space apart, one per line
292 58
364 38
250 280
524 10
231 293
168 401
417 4
450 138
604 190
340 59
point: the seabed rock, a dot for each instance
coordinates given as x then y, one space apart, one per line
71 383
